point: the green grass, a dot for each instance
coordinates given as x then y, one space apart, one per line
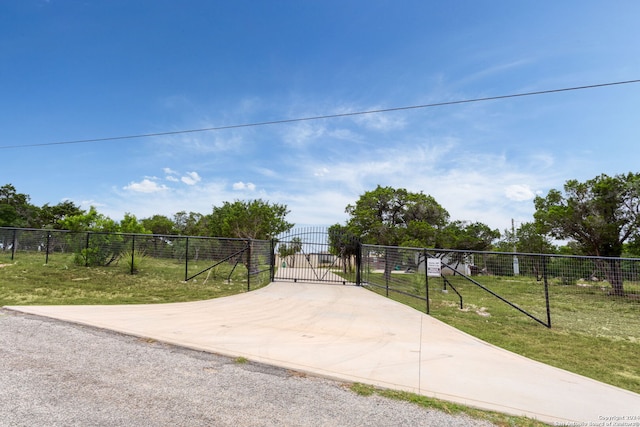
496 418
592 334
27 280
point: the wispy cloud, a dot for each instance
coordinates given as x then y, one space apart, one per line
240 186
191 178
145 186
519 192
169 171
300 134
379 121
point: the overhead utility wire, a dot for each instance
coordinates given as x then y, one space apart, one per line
328 116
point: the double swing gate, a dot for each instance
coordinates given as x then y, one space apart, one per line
312 255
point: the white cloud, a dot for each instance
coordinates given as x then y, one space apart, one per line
191 178
172 179
169 171
380 121
300 134
267 172
519 192
242 186
321 172
146 186
88 203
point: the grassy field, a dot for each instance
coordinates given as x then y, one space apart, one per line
592 334
27 280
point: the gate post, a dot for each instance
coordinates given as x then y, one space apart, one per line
359 264
249 243
272 267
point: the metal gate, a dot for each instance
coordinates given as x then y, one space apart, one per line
313 255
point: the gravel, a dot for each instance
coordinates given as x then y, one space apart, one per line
54 373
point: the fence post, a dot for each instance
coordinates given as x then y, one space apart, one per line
133 251
386 268
546 289
248 265
86 250
186 259
13 244
359 264
46 257
426 280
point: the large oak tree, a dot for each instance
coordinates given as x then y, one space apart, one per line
396 217
600 215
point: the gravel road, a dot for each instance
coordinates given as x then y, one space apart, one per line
59 374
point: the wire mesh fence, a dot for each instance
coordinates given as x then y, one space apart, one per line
598 295
183 257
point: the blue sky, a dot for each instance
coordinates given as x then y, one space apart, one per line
78 69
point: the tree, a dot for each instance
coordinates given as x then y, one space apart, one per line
528 239
600 215
103 247
15 209
396 217
344 244
290 249
255 219
252 220
159 224
191 224
130 224
53 216
472 236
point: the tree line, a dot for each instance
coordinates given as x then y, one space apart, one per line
599 217
255 219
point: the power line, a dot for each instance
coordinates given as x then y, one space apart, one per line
328 116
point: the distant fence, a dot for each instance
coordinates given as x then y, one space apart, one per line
197 255
536 285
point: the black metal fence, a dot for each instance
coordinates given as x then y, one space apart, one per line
196 256
545 288
596 295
